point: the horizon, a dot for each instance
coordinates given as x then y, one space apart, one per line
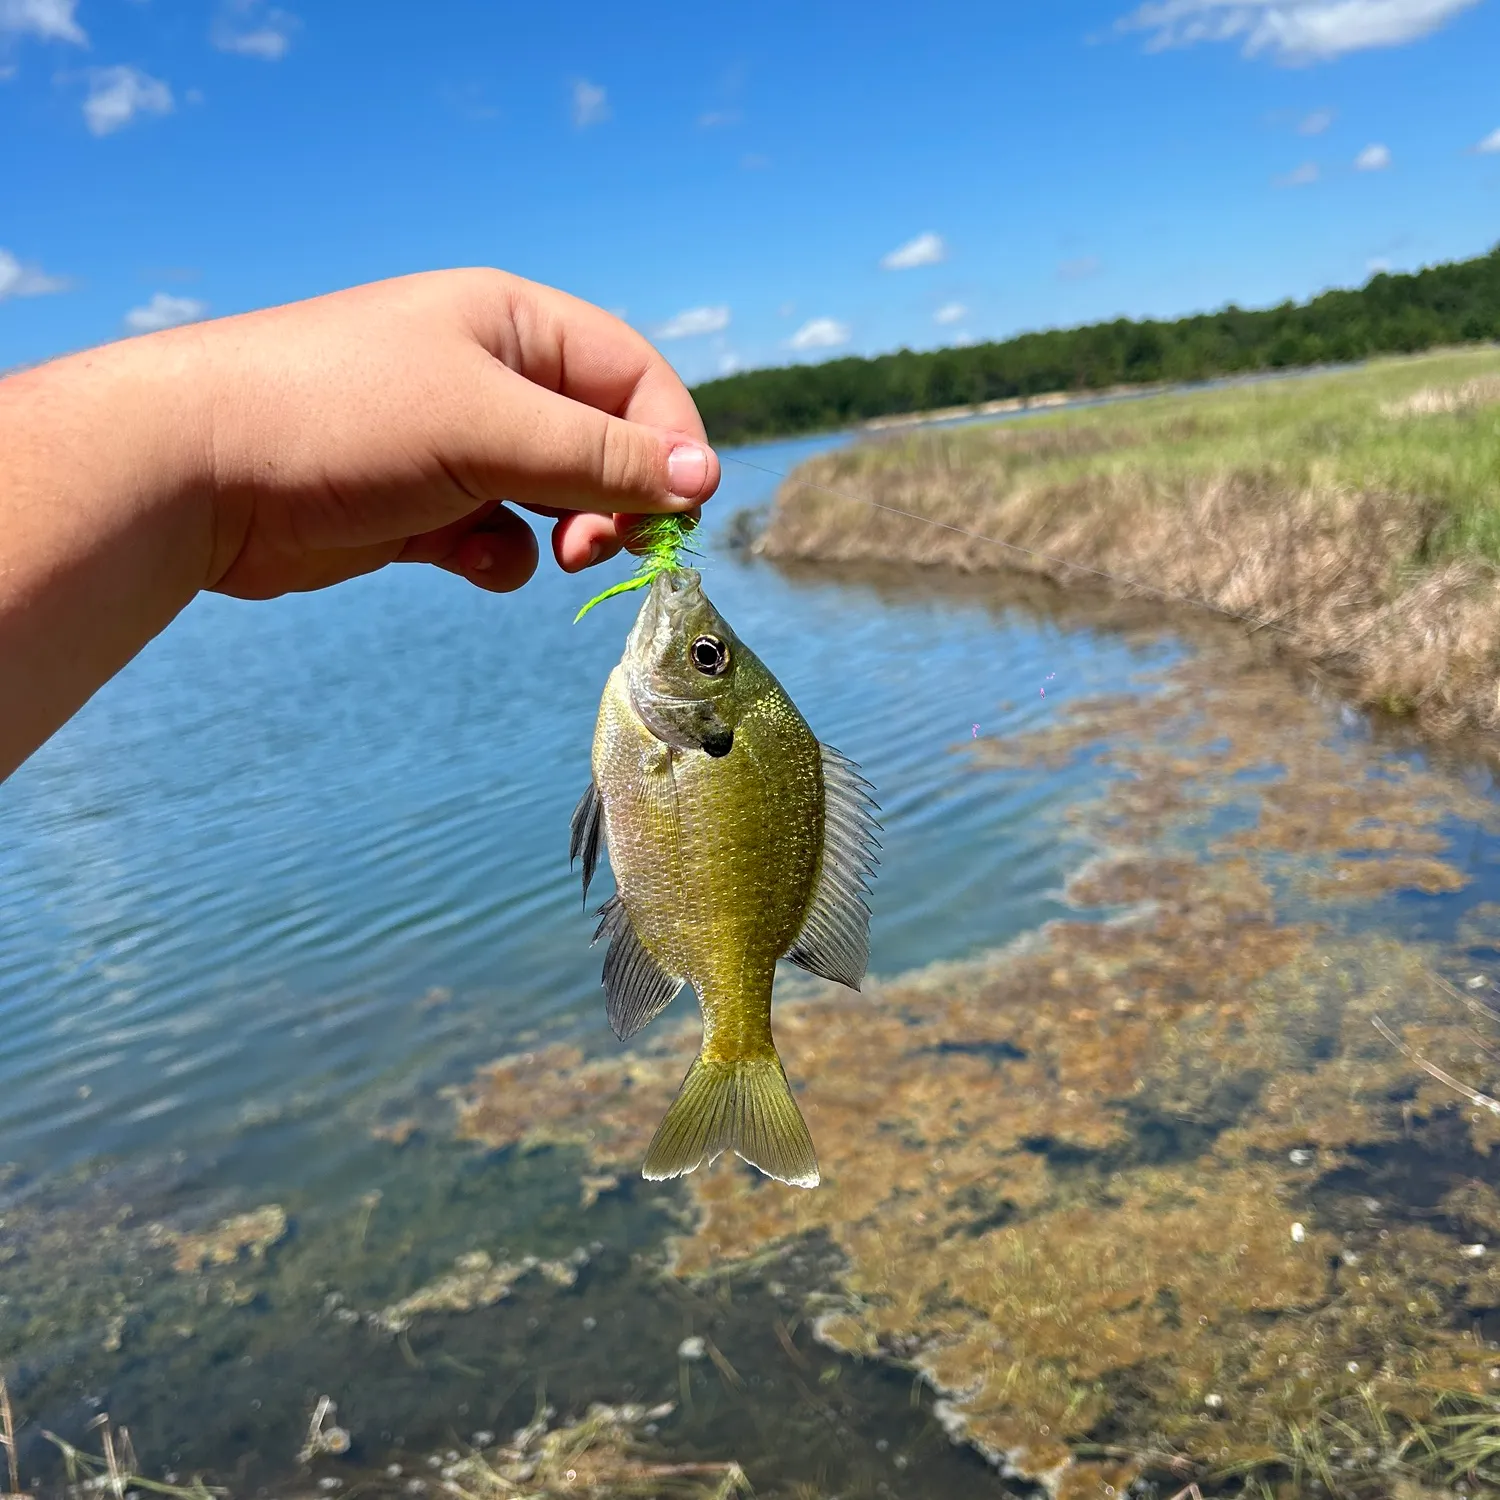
768 206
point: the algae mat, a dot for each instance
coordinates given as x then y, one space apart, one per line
1148 1197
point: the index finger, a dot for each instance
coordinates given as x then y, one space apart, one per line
580 351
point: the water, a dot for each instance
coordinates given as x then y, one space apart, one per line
303 865
228 884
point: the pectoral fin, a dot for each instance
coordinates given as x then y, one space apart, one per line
835 938
584 835
636 988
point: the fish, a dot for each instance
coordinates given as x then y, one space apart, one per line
736 838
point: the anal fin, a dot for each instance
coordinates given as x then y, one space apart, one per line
835 938
636 988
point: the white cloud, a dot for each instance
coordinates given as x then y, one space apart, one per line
164 311
820 333
693 322
926 250
1377 265
17 280
1315 123
1080 269
754 161
950 312
1303 176
590 104
249 28
51 20
716 119
729 362
1491 142
1292 30
267 44
117 95
1375 158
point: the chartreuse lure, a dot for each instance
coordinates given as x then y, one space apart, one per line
663 541
736 839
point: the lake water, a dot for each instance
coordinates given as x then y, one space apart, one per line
229 883
302 868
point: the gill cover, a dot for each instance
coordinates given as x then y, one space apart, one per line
680 666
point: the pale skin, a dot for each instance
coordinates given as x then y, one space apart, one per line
294 448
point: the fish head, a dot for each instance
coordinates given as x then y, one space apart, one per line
685 668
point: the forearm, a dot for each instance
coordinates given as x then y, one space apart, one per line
106 526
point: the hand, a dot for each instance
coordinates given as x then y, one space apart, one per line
297 447
389 423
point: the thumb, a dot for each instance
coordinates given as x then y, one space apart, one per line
538 447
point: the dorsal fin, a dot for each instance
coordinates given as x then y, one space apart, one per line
583 835
636 988
835 938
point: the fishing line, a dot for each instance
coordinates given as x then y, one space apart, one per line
1032 552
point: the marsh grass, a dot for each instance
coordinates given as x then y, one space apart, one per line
8 1442
115 1468
597 1456
1353 518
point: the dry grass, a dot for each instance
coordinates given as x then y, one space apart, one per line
597 1457
8 1442
1353 518
1437 400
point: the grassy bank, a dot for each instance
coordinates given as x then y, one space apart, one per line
1355 516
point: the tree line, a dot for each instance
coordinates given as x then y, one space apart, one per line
1445 304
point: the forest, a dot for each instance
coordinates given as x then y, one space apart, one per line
1455 303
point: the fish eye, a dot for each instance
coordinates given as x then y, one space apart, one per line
710 656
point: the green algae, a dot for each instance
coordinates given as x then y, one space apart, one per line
1154 1188
1146 1199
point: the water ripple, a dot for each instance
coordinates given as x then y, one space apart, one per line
225 887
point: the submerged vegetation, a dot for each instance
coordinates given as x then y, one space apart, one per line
1148 1198
1353 518
1401 314
1169 1195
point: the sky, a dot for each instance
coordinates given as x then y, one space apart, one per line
748 184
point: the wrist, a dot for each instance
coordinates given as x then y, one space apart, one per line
106 524
119 443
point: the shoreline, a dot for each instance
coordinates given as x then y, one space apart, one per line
1352 525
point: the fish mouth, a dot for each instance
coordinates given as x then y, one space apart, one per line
673 591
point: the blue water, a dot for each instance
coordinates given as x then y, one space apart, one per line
305 856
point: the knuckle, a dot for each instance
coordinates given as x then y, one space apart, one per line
627 459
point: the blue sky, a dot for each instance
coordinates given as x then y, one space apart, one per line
749 184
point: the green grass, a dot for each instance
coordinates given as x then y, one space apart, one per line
1355 511
1318 432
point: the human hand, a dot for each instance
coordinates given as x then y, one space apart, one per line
390 422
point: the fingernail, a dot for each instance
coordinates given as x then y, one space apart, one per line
687 471
596 551
483 561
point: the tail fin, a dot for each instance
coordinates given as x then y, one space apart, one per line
745 1107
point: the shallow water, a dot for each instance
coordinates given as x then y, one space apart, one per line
303 865
229 883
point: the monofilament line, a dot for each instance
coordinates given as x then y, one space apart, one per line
1169 595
